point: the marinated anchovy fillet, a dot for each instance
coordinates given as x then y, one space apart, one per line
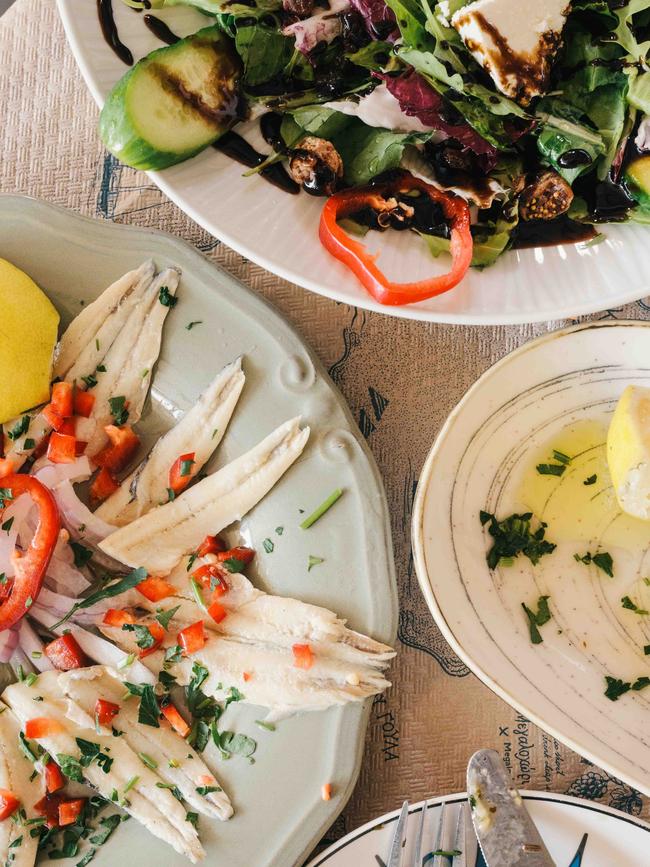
186 771
179 526
129 363
15 777
199 431
257 638
156 808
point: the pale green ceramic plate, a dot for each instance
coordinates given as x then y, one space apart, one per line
279 814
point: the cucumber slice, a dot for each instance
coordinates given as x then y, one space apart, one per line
637 178
174 102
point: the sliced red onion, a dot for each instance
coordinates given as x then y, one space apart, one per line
106 653
8 643
53 474
68 580
51 606
7 548
76 515
31 644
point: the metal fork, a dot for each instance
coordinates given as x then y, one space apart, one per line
463 846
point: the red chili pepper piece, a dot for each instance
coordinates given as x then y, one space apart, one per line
356 257
54 779
181 472
103 485
62 448
154 589
65 654
9 803
30 567
52 416
69 811
158 634
211 577
105 711
118 617
192 638
244 554
211 545
303 656
42 727
123 444
84 401
217 612
62 398
176 721
48 806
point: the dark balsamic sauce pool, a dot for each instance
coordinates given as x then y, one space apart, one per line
238 149
161 30
109 31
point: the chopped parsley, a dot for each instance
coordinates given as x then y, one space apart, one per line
602 560
90 380
82 555
626 602
191 560
186 467
163 617
91 752
143 637
173 790
29 444
21 427
148 711
268 546
551 469
561 457
617 687
173 654
267 726
591 480
193 324
7 525
126 583
5 494
118 409
233 564
314 561
101 368
192 818
324 507
171 495
279 530
152 764
166 298
107 825
513 536
537 618
232 744
646 649
207 790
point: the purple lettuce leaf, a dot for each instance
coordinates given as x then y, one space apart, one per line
379 18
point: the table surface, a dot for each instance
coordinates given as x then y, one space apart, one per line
400 378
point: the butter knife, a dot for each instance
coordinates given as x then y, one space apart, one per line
506 833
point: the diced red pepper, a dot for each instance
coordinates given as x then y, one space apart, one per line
105 711
239 553
158 634
303 656
192 638
30 566
217 612
65 654
80 448
84 401
69 811
176 721
123 444
247 676
52 416
48 806
62 448
54 779
154 589
9 803
212 578
43 727
179 480
103 485
206 780
67 427
61 398
326 791
211 545
6 467
118 617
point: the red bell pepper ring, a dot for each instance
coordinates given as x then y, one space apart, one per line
9 803
65 654
356 257
30 567
181 472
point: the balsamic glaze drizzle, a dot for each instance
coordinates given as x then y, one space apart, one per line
109 30
161 30
237 148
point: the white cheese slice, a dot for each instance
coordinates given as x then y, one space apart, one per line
514 40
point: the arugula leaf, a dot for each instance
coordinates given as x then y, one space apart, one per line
126 583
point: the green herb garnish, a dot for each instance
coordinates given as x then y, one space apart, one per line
591 480
268 546
551 469
143 637
7 525
325 506
314 561
127 583
19 428
626 602
537 618
163 617
82 555
603 561
148 711
166 298
193 324
514 536
118 409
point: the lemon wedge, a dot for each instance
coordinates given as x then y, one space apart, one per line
628 451
28 329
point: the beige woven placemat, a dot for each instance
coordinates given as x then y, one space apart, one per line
424 730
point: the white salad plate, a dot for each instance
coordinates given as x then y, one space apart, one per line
280 231
491 443
614 839
279 812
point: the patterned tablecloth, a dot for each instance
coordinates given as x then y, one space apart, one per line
400 378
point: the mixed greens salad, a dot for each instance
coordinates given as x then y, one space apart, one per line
539 125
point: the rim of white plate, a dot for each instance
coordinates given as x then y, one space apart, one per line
420 559
365 301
